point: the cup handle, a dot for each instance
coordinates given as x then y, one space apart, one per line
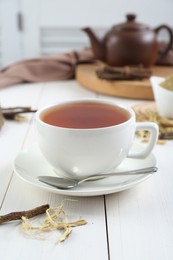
170 42
153 129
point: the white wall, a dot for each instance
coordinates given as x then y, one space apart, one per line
104 12
48 14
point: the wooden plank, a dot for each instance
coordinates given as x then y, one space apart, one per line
140 219
89 241
13 133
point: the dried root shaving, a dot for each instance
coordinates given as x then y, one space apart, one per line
148 113
56 219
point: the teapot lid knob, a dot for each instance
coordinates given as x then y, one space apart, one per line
131 17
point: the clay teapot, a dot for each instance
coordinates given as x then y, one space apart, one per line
129 43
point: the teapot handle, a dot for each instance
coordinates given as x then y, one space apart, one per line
170 42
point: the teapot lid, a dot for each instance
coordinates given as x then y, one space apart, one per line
130 24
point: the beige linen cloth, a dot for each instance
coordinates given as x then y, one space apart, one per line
49 68
55 67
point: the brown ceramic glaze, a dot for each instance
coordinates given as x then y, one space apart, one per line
129 43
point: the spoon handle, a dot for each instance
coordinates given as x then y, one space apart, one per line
148 170
64 183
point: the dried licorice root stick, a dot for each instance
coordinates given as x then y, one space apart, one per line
28 214
1 118
13 113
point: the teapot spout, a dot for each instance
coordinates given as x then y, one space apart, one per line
96 44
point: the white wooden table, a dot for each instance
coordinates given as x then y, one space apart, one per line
134 224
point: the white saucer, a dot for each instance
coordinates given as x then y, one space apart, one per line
28 165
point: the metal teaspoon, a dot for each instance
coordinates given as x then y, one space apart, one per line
64 183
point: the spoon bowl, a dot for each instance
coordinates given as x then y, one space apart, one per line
64 183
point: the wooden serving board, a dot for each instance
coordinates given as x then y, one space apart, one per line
86 77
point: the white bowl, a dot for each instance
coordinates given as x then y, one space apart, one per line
163 97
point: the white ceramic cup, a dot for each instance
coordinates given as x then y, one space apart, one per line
85 152
163 97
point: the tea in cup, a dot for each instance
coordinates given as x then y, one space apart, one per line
89 136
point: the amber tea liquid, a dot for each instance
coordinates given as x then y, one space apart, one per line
85 115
